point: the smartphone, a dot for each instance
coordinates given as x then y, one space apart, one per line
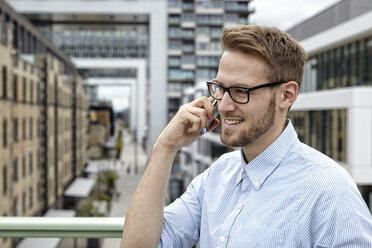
209 122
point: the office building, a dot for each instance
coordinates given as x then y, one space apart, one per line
43 116
194 30
333 112
113 43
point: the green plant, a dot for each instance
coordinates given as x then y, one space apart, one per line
86 207
108 178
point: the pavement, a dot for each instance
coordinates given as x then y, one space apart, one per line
130 167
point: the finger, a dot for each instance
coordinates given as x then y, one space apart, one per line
193 122
206 103
200 113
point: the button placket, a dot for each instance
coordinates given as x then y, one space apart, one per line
226 227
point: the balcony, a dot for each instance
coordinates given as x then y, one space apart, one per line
209 20
236 7
57 227
209 7
188 6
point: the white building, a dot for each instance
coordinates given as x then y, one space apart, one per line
333 112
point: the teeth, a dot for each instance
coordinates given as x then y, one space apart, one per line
232 122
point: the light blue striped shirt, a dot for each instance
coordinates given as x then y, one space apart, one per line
289 196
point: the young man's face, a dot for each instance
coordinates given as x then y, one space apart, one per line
243 124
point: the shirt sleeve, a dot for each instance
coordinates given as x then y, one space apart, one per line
181 225
332 213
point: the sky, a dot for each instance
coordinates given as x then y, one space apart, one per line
282 14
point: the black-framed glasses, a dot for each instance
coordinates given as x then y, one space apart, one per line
237 93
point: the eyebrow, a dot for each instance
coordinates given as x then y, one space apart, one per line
237 85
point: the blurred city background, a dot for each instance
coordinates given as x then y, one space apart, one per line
86 86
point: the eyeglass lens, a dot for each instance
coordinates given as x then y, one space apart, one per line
238 94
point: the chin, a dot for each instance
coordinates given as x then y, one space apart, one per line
233 140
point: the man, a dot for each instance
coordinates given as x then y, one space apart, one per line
275 191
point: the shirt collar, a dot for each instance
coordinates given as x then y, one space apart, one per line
261 167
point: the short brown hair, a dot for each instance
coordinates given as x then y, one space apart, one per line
283 54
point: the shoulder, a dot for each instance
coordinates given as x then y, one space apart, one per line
234 156
227 163
224 163
330 204
320 178
312 157
320 172
325 185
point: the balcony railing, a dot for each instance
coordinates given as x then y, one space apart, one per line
61 227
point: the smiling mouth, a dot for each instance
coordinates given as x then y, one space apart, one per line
232 122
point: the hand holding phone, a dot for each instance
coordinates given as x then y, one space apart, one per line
209 122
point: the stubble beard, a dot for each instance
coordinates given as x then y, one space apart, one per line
257 128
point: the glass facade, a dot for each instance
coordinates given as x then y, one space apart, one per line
343 66
324 130
100 43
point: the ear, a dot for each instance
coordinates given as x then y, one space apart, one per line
288 94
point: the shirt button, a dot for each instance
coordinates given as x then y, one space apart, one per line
240 205
222 239
257 184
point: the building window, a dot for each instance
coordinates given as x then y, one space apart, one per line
343 66
174 61
15 206
38 161
15 170
5 81
31 91
325 130
15 130
177 74
31 197
4 29
38 93
24 90
5 180
38 127
15 87
174 3
30 163
5 133
24 136
24 202
24 167
31 126
208 61
175 45
174 19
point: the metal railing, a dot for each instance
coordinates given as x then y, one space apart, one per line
61 227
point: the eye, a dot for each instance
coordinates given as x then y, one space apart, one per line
217 87
239 91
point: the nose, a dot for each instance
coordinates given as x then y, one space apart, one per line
226 104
